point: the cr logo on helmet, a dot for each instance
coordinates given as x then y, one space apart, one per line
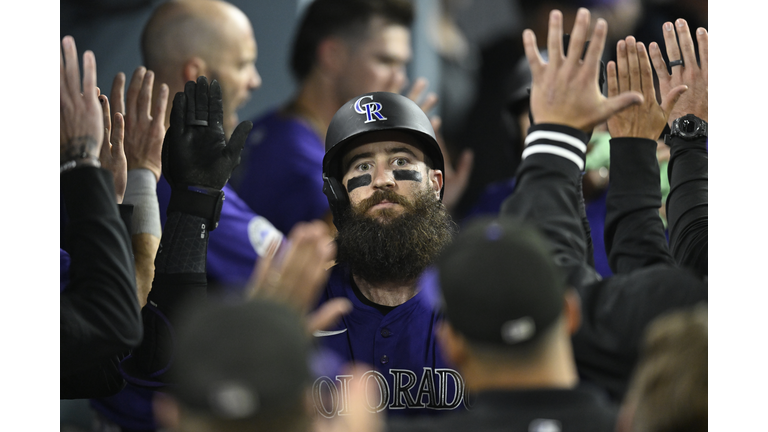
370 109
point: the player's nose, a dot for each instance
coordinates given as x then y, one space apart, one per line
383 177
255 80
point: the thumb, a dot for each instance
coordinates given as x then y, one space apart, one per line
237 140
619 102
668 102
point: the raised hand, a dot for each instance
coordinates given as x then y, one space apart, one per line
195 151
416 92
456 180
112 155
143 132
565 90
298 272
689 73
81 121
632 72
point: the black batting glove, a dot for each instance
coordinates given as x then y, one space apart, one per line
195 151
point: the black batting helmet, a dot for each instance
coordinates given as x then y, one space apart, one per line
369 113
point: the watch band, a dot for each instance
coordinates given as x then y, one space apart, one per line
198 201
680 128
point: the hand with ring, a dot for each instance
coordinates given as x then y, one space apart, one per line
685 69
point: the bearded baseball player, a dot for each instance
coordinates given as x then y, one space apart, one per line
383 176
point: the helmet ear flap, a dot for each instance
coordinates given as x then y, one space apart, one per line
338 199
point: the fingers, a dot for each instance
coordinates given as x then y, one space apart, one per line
596 47
256 281
417 89
202 100
132 95
535 62
118 132
104 155
612 78
464 167
63 90
436 123
555 37
117 93
107 117
237 140
578 36
193 92
161 104
658 63
634 65
215 105
646 73
429 102
71 67
143 104
89 78
622 66
686 43
670 42
328 314
670 99
178 111
702 37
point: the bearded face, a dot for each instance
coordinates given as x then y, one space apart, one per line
382 244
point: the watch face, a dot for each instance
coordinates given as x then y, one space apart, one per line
688 127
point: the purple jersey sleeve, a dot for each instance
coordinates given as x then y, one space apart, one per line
281 176
236 244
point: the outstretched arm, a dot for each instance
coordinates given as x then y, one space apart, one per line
99 315
565 102
634 232
197 162
687 203
143 145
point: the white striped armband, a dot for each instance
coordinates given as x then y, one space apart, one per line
559 141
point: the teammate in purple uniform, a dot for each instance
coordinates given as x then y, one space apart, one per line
383 176
181 41
342 48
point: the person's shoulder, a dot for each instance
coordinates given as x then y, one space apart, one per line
277 127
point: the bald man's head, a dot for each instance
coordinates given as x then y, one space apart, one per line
187 38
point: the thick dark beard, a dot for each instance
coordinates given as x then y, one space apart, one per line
392 248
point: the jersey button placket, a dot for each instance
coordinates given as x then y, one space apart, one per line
384 359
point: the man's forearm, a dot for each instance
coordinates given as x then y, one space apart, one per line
687 203
547 194
634 232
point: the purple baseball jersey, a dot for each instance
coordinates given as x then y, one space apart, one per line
280 175
406 364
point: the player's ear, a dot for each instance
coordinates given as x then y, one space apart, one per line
573 310
436 180
453 344
193 68
332 55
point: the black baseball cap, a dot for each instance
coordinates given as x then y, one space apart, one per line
241 361
499 283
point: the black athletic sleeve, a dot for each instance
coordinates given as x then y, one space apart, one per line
180 279
687 203
99 315
634 232
548 194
